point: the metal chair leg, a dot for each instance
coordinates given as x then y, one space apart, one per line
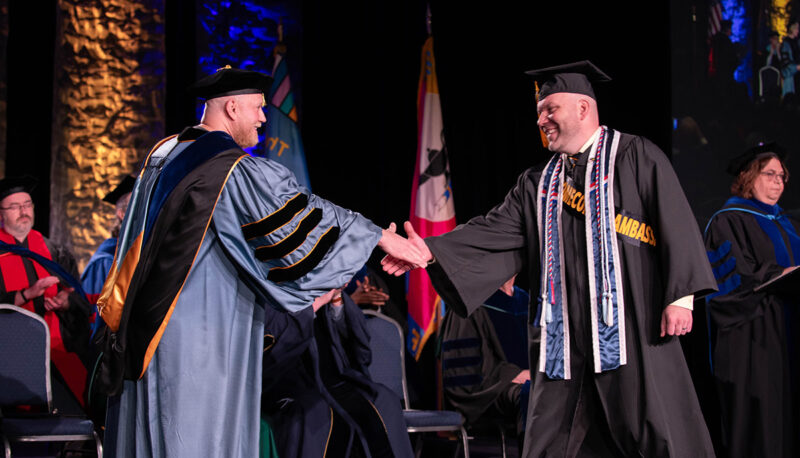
98 444
502 439
465 441
418 446
6 447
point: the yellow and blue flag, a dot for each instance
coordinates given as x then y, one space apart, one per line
284 144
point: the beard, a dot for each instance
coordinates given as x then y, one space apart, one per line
20 225
245 136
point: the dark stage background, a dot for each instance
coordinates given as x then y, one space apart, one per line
355 71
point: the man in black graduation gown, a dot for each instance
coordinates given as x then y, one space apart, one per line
605 216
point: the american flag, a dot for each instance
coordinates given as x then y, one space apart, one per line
714 17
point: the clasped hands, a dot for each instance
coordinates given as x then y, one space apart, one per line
403 254
51 303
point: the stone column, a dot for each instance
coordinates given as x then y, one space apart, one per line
110 73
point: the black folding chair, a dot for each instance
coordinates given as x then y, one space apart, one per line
387 344
25 381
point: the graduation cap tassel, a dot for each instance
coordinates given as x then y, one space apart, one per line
549 311
549 304
545 142
608 309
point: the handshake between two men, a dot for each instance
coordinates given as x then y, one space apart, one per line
403 255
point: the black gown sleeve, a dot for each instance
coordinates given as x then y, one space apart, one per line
348 336
475 258
286 336
685 267
7 297
358 351
75 327
741 264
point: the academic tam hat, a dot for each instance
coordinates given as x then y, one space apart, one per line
576 78
231 81
13 185
125 186
740 162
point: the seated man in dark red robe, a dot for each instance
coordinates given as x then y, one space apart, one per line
30 283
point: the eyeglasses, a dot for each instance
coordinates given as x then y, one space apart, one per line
17 207
771 175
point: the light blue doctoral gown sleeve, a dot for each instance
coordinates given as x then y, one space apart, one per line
258 189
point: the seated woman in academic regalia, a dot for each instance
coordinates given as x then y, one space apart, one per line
751 241
485 359
317 395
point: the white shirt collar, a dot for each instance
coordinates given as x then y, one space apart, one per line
591 140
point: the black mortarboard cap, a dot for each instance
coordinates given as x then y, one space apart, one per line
13 185
231 81
576 78
125 186
740 162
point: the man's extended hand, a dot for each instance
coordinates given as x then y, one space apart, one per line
394 266
401 254
676 321
418 242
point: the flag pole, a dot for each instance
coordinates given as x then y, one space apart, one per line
280 46
428 19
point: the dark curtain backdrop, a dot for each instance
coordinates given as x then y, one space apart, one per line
29 72
359 65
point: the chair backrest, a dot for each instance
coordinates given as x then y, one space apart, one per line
24 358
387 343
769 81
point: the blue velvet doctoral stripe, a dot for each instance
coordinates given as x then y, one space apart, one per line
720 252
725 268
466 361
771 229
463 380
204 148
458 344
726 287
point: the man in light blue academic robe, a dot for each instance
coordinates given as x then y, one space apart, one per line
212 237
